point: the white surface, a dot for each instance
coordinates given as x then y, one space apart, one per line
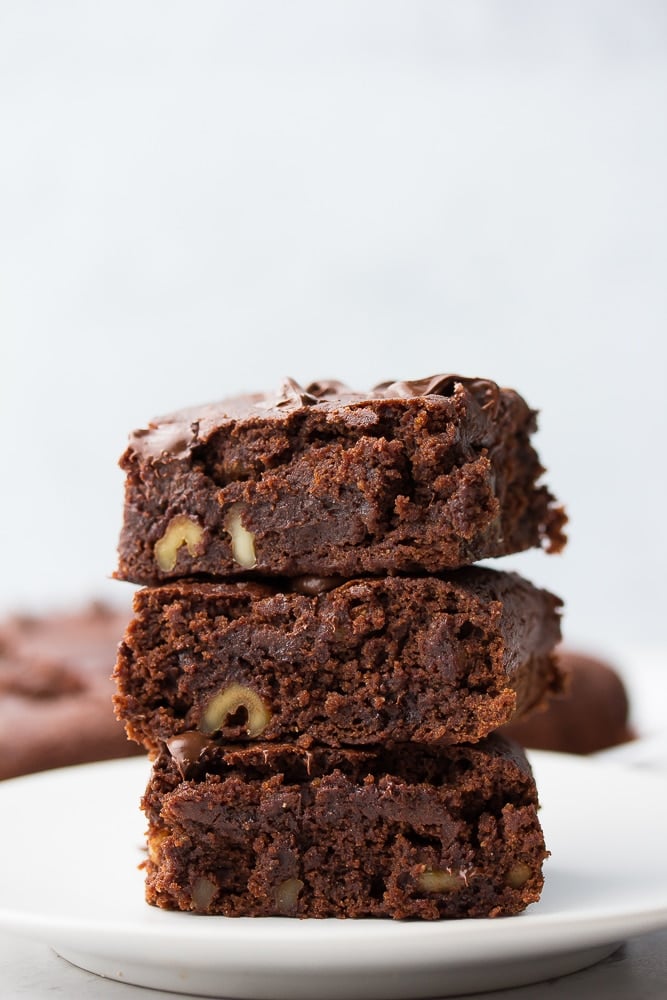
199 198
606 827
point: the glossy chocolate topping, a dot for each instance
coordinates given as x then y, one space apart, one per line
292 394
178 433
440 385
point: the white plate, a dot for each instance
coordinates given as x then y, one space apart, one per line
71 844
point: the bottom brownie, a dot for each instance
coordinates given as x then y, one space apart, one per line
407 832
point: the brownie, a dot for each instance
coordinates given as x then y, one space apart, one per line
410 477
405 832
436 659
56 690
590 714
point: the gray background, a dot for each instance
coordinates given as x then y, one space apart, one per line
196 199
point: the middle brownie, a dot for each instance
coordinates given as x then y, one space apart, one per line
437 659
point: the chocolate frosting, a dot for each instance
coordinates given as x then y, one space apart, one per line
292 394
327 387
178 433
439 385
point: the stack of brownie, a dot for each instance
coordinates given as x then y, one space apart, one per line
316 668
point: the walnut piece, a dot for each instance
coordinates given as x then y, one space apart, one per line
155 841
518 875
229 701
203 891
287 895
181 530
243 541
439 880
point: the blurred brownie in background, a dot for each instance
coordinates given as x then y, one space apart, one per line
590 715
56 689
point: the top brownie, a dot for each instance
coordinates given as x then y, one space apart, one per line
409 477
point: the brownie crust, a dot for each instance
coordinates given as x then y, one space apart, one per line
408 832
393 659
56 690
410 477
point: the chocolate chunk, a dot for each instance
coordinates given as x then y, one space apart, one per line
186 749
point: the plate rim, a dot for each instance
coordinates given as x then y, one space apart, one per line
583 927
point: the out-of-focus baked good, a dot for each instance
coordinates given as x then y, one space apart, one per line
590 715
56 690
